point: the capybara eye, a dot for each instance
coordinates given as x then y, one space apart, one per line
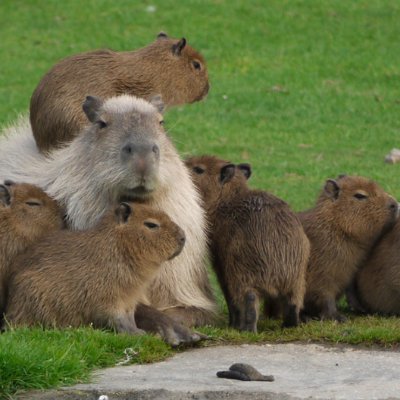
101 124
156 149
360 196
196 65
162 122
198 170
151 225
33 203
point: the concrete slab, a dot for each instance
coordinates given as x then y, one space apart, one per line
301 372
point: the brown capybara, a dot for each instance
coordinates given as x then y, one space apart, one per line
350 215
125 153
96 276
26 215
258 246
168 67
378 280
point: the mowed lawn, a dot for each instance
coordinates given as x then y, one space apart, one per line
303 90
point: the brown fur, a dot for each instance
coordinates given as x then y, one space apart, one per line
378 281
258 245
95 276
26 215
351 214
167 66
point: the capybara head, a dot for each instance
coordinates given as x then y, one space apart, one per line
216 178
29 212
361 208
124 142
177 58
155 237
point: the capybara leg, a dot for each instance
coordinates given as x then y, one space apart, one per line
125 323
329 310
352 298
273 307
191 316
234 316
249 312
172 332
291 316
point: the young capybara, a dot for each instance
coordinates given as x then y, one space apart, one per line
124 153
258 246
168 67
96 276
378 280
26 215
350 215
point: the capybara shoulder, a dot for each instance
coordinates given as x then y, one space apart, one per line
169 67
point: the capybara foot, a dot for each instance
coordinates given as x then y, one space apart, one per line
172 332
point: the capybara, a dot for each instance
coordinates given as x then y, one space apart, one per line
124 153
258 246
378 280
168 67
76 278
26 215
350 215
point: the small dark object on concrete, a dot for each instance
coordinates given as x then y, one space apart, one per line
244 372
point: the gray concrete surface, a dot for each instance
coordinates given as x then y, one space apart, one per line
301 372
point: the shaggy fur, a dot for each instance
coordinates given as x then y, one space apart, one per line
168 67
258 246
95 171
93 277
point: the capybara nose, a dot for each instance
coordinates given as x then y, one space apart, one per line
182 237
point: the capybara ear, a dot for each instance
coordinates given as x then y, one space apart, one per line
9 182
332 188
178 47
245 169
227 173
158 103
162 35
5 197
123 212
91 108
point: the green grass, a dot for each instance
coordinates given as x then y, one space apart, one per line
303 90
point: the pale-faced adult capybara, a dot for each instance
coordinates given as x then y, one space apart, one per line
97 276
378 279
258 245
168 67
124 153
26 215
350 215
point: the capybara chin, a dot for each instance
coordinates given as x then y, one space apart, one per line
96 276
258 246
26 215
378 280
168 67
124 152
350 216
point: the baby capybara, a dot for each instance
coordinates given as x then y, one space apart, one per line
167 67
96 276
258 246
378 280
26 215
350 215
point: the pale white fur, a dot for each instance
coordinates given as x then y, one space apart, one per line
63 175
